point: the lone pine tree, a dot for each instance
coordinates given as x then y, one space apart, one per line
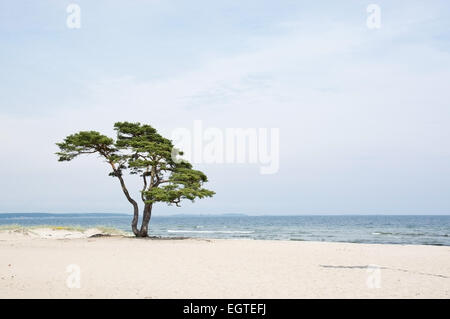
140 150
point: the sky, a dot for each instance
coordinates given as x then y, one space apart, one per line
363 113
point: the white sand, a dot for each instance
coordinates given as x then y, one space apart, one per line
33 265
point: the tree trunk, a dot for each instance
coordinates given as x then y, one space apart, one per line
134 222
146 220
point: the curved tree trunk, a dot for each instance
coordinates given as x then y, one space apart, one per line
134 222
146 220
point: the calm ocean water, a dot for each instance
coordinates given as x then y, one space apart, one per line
427 230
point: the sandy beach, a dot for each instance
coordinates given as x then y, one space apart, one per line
58 263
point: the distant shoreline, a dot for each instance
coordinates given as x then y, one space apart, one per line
216 215
410 230
86 232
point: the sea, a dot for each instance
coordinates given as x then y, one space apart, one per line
377 229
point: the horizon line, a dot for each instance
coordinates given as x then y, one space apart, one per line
236 214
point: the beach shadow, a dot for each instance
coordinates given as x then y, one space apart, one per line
167 238
382 267
346 267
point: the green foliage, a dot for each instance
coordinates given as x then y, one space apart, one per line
85 142
140 150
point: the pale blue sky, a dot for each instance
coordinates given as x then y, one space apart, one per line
364 115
